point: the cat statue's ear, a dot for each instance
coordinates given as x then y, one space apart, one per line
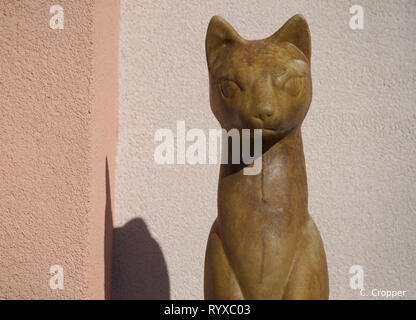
219 35
295 31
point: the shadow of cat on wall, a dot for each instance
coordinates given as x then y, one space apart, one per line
139 267
138 270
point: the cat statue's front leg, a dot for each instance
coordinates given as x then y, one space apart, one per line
220 282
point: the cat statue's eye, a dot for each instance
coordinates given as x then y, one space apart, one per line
229 88
280 71
294 85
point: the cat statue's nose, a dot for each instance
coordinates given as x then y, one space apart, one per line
264 113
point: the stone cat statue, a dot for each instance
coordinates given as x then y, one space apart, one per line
263 244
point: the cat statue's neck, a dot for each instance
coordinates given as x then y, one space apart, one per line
282 181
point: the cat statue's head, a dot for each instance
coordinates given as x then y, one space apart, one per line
260 84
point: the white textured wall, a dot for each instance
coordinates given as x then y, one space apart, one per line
359 139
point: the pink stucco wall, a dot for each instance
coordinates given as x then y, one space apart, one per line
58 125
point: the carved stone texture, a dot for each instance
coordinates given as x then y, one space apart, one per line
263 244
